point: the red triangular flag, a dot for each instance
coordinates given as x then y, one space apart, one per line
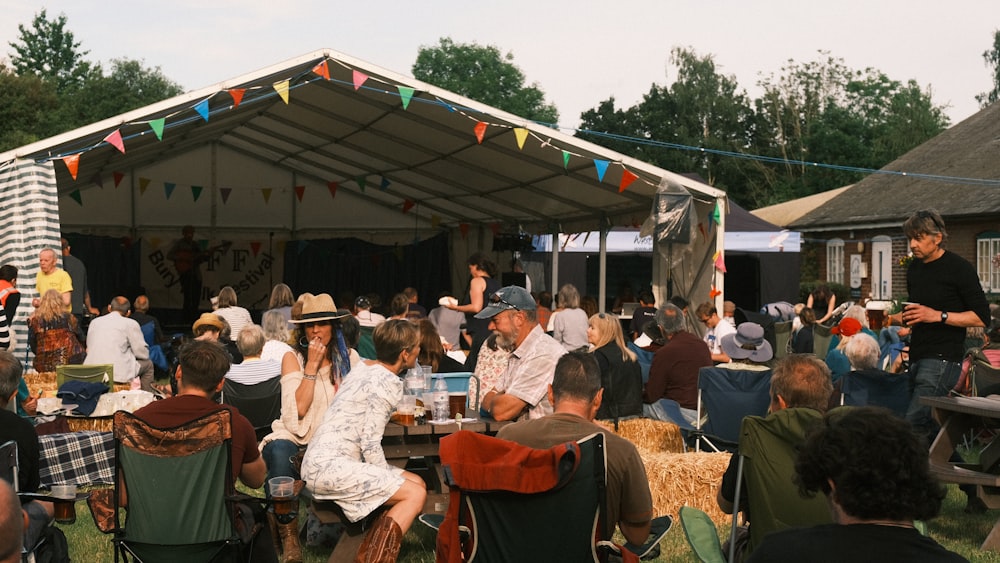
118 178
464 229
407 205
332 186
115 139
359 79
627 179
73 164
322 69
300 190
237 94
480 130
495 227
255 247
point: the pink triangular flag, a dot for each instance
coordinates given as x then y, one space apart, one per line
720 263
115 139
359 79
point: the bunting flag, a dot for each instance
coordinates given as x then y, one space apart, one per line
322 69
714 216
225 192
361 180
565 160
627 178
602 167
407 205
435 221
520 133
77 197
98 181
118 176
495 228
72 164
168 189
713 293
266 192
282 89
464 229
397 251
143 184
384 185
359 79
255 248
196 192
405 94
157 126
300 190
115 139
720 263
155 241
237 95
332 186
701 229
202 109
480 130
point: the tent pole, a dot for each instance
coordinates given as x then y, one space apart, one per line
602 284
555 260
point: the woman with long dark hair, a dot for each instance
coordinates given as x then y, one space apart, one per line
483 284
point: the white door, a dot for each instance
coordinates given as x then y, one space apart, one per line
881 274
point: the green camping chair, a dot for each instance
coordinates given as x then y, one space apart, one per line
180 488
821 340
366 344
90 373
701 535
782 339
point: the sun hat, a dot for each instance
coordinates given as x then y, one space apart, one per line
847 327
318 308
747 343
506 298
210 319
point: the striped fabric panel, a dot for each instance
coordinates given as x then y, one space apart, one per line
29 213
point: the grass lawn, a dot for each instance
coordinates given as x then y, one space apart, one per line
957 531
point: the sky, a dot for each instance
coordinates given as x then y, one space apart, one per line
579 52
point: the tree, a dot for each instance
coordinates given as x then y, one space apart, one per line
48 51
483 74
992 58
130 85
26 106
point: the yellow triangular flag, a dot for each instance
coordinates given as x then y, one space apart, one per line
143 184
521 133
282 89
266 192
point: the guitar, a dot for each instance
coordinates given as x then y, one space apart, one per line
187 256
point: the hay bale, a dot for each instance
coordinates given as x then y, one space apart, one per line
44 382
689 479
654 436
96 423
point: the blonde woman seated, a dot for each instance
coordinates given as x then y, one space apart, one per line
345 461
621 376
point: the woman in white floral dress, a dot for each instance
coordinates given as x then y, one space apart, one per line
345 461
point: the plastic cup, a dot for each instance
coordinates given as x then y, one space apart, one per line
283 499
65 503
407 409
457 402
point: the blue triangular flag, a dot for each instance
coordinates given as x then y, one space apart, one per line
602 167
202 109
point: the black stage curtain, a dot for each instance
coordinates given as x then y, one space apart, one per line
112 266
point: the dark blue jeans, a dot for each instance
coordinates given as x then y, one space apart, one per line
929 377
278 456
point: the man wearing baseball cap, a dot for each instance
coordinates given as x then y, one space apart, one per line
521 392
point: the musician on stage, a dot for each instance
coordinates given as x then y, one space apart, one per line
187 256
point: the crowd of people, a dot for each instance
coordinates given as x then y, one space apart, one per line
551 370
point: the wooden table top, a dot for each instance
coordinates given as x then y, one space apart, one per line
988 407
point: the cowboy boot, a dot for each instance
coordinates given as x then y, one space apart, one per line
272 527
291 551
382 542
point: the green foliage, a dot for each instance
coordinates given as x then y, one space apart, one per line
484 74
991 57
130 85
47 50
26 106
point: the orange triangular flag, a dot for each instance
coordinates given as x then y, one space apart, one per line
521 134
115 139
480 130
322 69
255 247
73 164
266 192
408 205
300 190
282 89
237 94
627 179
359 79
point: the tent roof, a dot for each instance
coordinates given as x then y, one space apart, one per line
356 129
786 213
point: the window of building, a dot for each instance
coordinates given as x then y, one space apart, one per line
835 261
988 261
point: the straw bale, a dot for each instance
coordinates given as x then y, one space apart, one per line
689 479
99 423
44 381
647 434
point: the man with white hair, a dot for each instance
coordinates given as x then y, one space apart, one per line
51 276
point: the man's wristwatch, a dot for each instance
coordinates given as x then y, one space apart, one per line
944 316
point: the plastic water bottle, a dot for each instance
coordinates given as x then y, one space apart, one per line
441 410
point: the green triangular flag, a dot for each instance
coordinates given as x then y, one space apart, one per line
157 126
75 194
405 94
565 160
361 182
196 192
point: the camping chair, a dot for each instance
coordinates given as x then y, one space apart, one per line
180 490
260 403
726 396
984 377
366 343
889 390
821 340
768 448
701 535
90 373
8 472
782 339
